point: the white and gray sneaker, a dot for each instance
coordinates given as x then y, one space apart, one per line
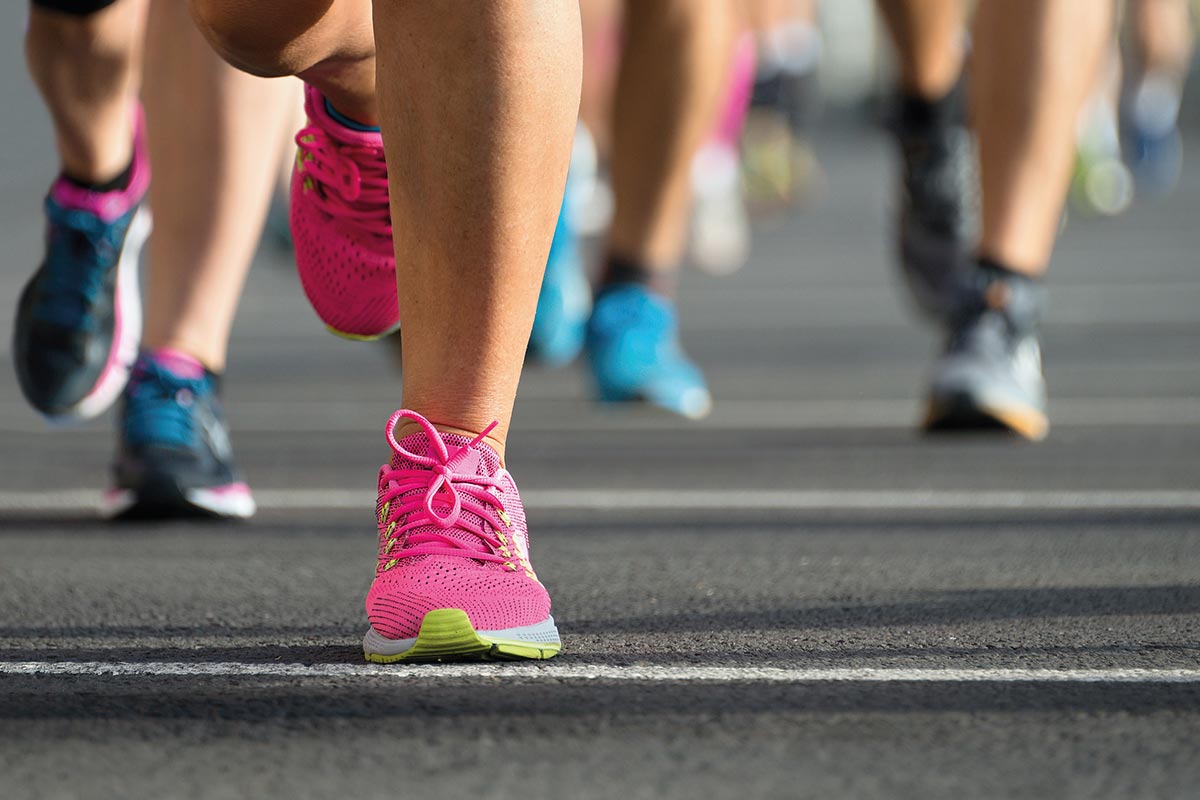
990 374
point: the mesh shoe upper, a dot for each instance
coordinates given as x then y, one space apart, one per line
173 432
452 534
992 352
634 351
79 317
341 225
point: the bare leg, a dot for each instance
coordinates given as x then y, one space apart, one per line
86 68
762 15
601 21
929 43
477 113
1025 109
212 182
669 90
477 118
1164 36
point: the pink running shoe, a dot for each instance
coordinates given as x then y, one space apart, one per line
341 225
453 581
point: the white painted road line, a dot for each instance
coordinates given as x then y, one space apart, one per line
646 500
573 414
602 673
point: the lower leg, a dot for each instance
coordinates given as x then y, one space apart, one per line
477 114
928 35
1035 61
1164 37
763 15
213 140
601 23
86 68
669 90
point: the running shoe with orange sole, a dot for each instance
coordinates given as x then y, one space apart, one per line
990 373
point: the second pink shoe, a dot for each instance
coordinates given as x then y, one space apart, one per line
341 224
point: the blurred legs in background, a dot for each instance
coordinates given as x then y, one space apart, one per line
79 317
674 66
1033 65
475 112
935 222
1163 39
80 321
214 138
1032 68
719 240
780 166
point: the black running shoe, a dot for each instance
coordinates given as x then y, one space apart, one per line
938 203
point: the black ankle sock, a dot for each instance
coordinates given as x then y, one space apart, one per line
915 111
619 270
996 270
119 183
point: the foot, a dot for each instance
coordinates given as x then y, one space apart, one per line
936 204
79 317
341 225
720 224
175 459
634 352
779 165
453 581
990 374
1150 134
565 300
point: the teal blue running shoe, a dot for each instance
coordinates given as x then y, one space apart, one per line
175 459
565 300
634 352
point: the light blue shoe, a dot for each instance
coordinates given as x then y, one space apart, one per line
565 300
634 352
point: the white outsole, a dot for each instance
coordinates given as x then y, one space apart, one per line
115 502
544 632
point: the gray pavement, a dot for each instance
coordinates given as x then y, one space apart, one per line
780 648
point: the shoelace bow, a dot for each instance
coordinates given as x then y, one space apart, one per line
352 179
415 495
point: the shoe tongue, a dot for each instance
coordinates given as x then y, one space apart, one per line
478 460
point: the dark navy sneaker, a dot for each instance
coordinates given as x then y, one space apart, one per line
79 317
175 459
937 214
990 374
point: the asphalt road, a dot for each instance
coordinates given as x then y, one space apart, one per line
800 597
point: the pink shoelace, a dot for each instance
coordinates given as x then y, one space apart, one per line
415 496
352 179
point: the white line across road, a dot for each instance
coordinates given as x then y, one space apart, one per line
599 673
570 414
644 500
